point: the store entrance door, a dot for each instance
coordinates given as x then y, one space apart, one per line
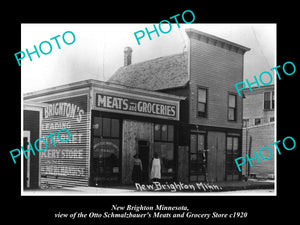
143 147
216 156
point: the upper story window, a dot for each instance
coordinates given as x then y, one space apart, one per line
232 107
257 121
246 122
269 100
202 102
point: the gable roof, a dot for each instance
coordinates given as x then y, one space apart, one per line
155 74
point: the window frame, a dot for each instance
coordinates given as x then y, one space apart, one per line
246 122
234 108
101 133
160 139
203 114
115 176
231 154
258 118
271 102
168 140
201 171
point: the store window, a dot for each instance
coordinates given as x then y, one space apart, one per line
105 166
164 146
232 107
202 102
198 156
232 152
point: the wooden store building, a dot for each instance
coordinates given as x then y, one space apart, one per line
183 106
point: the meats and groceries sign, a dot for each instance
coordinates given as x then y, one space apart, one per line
137 106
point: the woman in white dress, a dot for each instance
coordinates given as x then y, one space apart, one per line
155 173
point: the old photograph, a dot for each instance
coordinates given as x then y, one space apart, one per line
148 109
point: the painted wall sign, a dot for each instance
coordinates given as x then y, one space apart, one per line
65 109
55 162
136 106
69 160
54 138
62 170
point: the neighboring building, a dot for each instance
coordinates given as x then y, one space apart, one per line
32 119
211 115
184 107
258 129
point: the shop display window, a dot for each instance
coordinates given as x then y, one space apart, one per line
105 150
164 146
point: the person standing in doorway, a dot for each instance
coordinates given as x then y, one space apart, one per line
137 169
155 173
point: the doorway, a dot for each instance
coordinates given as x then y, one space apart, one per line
26 165
143 150
216 156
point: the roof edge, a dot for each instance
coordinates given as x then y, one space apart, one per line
174 87
261 87
96 83
198 35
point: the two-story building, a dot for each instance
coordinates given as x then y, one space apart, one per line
183 106
211 116
259 129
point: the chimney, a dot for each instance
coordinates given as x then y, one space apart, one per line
127 56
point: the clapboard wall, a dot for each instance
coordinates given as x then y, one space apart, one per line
262 135
66 163
216 66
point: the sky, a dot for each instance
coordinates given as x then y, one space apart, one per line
98 49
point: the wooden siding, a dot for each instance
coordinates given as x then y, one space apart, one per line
67 164
216 69
262 135
253 105
132 132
